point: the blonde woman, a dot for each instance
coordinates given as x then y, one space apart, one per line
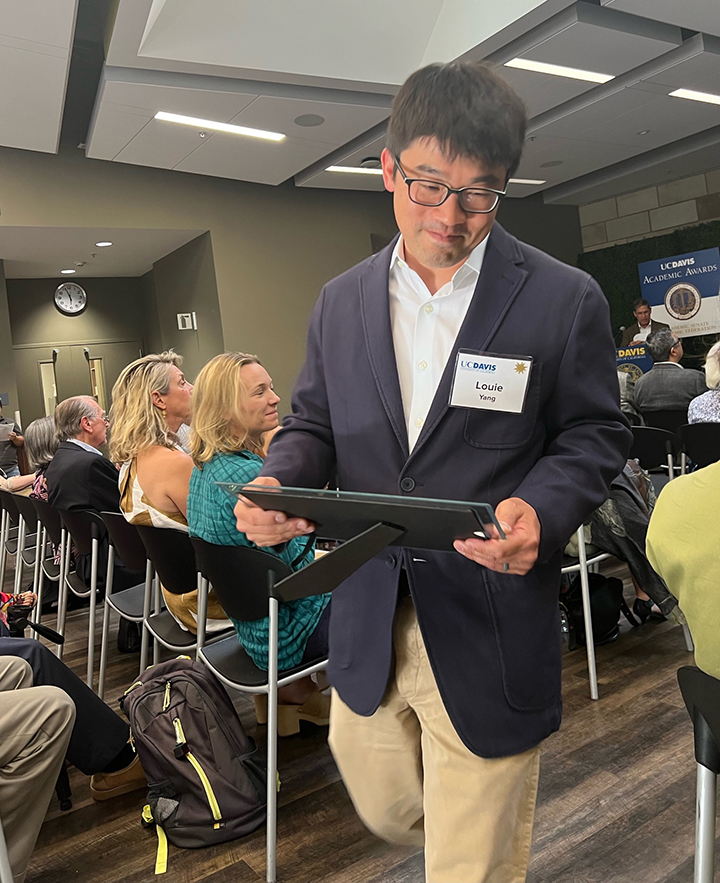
151 400
234 408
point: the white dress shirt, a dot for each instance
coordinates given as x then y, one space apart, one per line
85 446
643 333
424 329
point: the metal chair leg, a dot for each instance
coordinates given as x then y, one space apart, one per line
37 613
19 558
689 646
147 598
156 605
106 620
6 874
272 738
706 796
4 530
587 615
91 618
65 553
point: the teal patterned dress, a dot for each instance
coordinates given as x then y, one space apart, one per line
210 516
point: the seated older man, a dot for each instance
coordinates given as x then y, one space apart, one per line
667 386
80 477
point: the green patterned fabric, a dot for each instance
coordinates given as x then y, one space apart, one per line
210 516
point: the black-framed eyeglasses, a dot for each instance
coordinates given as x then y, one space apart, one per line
476 200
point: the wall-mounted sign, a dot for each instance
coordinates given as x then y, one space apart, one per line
683 291
187 321
635 360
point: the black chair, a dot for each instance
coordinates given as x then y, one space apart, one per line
173 558
655 450
132 604
34 556
87 533
701 694
16 538
701 442
667 420
250 584
50 520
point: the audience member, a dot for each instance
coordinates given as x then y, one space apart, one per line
683 545
80 477
151 401
9 446
667 386
706 407
643 326
41 442
234 406
627 398
35 728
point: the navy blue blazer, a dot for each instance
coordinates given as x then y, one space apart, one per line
493 639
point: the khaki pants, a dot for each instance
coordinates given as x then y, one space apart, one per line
35 728
413 781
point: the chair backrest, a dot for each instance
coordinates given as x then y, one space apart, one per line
126 540
701 442
27 512
7 501
651 446
50 520
669 420
172 556
239 576
83 528
701 694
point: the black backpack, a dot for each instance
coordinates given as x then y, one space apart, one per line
606 603
206 780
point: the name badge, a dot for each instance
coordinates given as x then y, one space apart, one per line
490 382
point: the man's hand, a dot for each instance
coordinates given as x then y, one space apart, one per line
268 528
519 551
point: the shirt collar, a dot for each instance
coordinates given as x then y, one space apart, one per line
472 264
84 445
677 364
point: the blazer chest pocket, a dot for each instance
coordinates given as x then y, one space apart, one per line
500 430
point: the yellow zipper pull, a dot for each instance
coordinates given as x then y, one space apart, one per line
166 701
132 743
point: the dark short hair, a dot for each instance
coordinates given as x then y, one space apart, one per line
640 302
660 343
467 107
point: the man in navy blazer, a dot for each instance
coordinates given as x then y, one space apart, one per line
447 665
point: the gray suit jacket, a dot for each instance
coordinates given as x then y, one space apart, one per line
668 387
492 639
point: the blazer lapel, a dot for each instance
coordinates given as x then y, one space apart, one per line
498 285
375 310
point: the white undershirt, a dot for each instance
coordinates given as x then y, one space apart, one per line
424 329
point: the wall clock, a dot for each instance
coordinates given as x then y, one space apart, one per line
70 298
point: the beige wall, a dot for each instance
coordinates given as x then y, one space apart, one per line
7 368
652 211
273 247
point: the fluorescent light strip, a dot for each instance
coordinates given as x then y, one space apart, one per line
557 70
525 181
218 127
354 170
691 95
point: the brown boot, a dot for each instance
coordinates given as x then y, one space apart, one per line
104 786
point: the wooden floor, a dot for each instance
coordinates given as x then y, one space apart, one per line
616 802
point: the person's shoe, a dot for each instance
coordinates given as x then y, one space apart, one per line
642 609
105 786
315 710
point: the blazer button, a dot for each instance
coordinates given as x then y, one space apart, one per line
407 484
390 561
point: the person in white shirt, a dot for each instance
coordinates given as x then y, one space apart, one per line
644 325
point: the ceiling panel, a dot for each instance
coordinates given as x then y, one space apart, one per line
696 15
162 144
250 159
342 121
35 42
541 92
348 180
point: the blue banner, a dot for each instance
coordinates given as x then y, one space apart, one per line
635 360
683 291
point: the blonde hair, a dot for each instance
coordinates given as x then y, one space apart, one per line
712 367
136 423
218 426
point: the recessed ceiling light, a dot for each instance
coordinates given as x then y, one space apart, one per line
354 170
525 181
557 70
219 127
551 163
309 120
67 272
691 95
644 132
103 244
